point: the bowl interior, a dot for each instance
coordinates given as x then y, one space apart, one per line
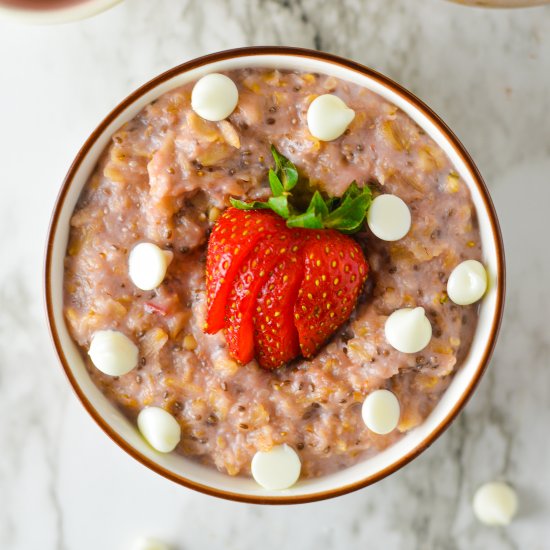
186 471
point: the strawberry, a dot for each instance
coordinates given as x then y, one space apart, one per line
334 272
241 304
235 234
276 336
281 282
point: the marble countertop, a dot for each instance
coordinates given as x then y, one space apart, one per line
65 486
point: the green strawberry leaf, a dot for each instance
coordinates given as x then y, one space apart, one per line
308 220
285 170
255 205
348 218
318 205
346 213
350 214
275 183
279 205
352 192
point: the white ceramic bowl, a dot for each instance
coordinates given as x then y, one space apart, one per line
190 473
65 14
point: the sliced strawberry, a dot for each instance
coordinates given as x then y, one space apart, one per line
241 303
275 334
235 234
335 270
277 303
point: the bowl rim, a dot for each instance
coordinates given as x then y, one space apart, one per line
517 4
53 16
410 98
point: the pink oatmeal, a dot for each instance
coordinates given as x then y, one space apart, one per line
166 177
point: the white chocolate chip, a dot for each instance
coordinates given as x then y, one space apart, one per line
389 218
214 97
467 283
328 117
381 412
159 428
147 265
495 503
149 543
408 330
112 352
276 469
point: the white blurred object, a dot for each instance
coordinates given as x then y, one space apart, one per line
149 543
214 97
381 412
495 503
467 283
408 330
147 265
159 428
389 217
328 117
113 353
276 469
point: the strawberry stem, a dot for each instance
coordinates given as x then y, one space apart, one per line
346 213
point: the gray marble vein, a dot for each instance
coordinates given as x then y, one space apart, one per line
64 485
